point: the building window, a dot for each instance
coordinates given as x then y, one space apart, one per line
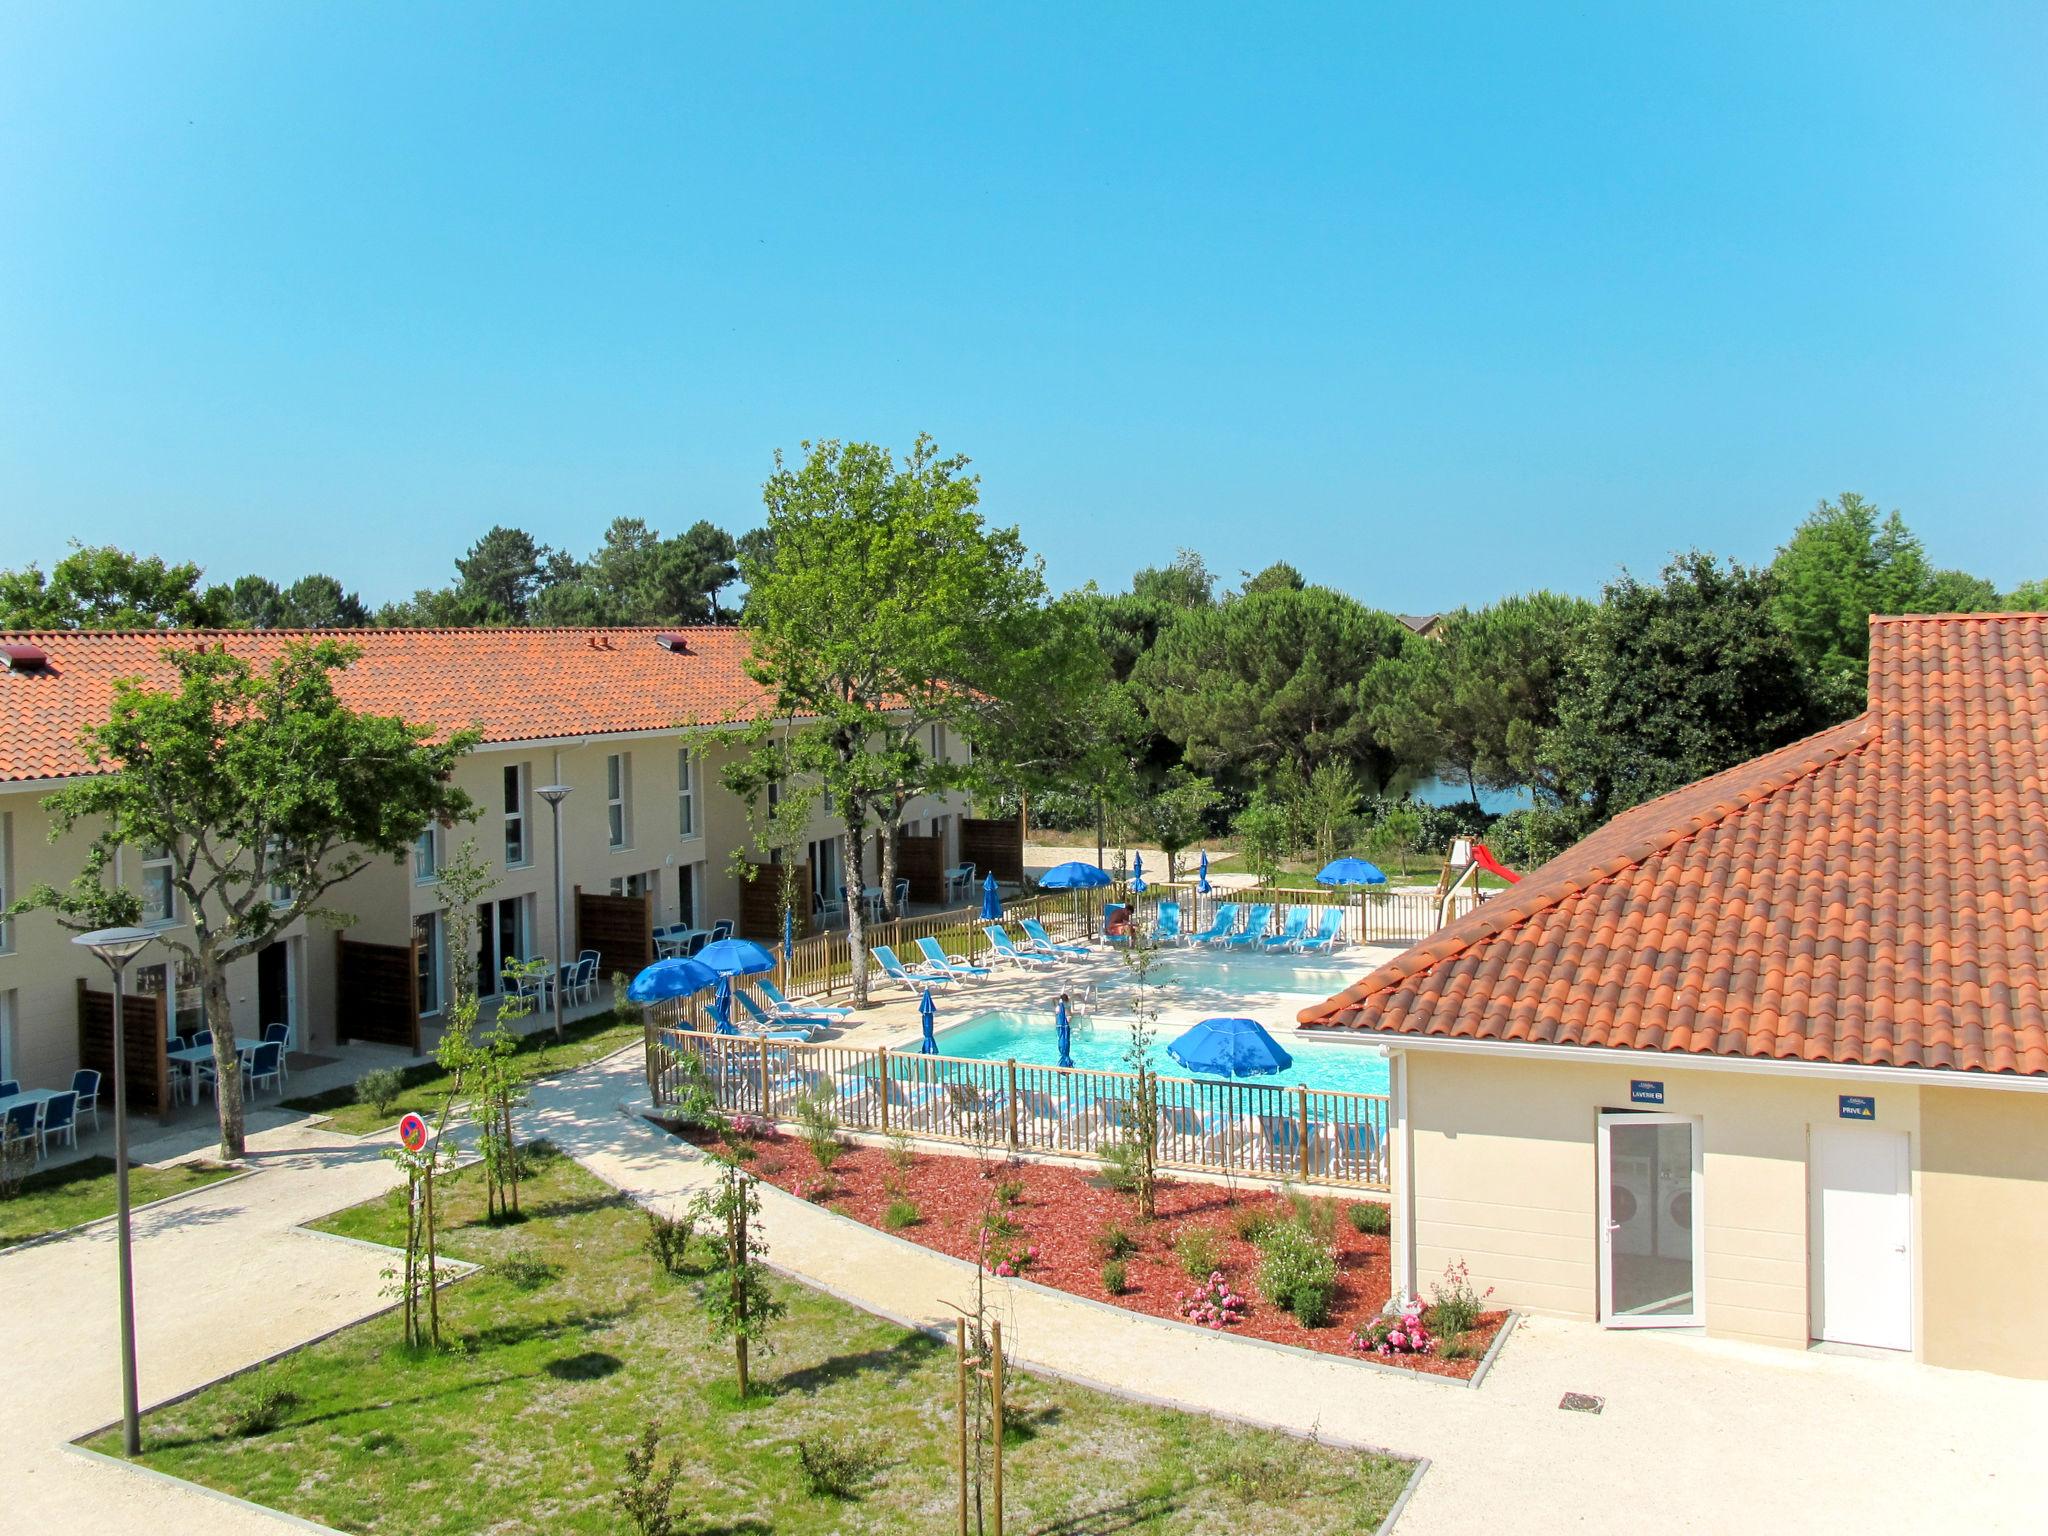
938 743
636 885
504 934
7 1034
273 861
826 877
426 856
159 899
686 793
618 791
517 850
426 937
687 878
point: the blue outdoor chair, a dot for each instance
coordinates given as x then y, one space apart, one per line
954 965
60 1118
1039 942
1288 937
917 978
86 1084
1221 926
1326 935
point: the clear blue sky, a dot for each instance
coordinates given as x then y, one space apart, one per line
1435 306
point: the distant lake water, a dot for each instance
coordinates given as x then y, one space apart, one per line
1450 792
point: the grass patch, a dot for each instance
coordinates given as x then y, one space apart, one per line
83 1191
423 1088
546 1388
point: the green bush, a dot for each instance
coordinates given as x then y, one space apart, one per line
261 1411
1454 1305
1199 1250
1123 1165
1115 1242
1250 1222
1531 836
1297 1273
901 1214
1316 1213
835 1467
1010 1191
1115 1278
380 1087
1372 1218
667 1239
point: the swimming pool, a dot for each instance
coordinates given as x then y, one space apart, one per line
1101 1043
1210 976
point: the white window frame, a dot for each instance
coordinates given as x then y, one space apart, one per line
273 855
427 870
1603 1249
518 817
618 803
434 945
154 864
686 793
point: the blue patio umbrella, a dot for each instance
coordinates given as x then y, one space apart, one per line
1073 876
1064 1031
991 900
928 1011
1202 882
667 979
1230 1048
721 1006
735 957
788 931
1138 873
1350 872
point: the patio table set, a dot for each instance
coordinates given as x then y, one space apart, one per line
39 1116
262 1060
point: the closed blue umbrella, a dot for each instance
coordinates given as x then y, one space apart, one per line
1073 876
928 1011
721 1006
1138 873
667 979
991 900
788 931
735 957
1230 1048
1350 872
1202 883
1064 1031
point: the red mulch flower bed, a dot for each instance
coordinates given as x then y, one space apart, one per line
1063 1209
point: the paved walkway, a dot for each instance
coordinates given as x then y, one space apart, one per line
223 1277
1697 1435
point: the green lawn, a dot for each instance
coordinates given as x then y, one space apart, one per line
570 1340
427 1086
83 1191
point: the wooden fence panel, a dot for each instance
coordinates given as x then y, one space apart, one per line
761 902
376 993
619 928
922 861
144 1040
993 844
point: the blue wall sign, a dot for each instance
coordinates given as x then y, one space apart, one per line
1858 1106
1641 1091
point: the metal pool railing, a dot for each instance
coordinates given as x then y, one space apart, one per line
1310 1135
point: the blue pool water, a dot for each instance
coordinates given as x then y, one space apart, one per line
1201 977
1101 1044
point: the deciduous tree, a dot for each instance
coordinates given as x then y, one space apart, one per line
100 587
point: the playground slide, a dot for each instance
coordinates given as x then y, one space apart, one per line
1493 866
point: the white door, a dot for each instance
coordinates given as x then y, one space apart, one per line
1651 1258
1862 1237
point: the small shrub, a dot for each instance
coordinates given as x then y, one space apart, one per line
1252 1473
1123 1166
667 1238
743 1151
527 1273
1454 1305
1371 1218
835 1469
1000 1224
902 1152
647 1496
1462 1347
1115 1279
1400 1331
1297 1273
817 1113
261 1411
1250 1222
380 1087
1199 1250
770 1165
1212 1304
901 1214
1317 1215
1010 1191
1115 1242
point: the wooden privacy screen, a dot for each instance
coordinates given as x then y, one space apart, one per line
376 993
996 845
922 861
619 928
761 902
142 1043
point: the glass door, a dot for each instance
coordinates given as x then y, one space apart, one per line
1651 1260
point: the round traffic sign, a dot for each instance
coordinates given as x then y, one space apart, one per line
412 1132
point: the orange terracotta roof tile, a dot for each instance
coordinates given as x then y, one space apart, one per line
509 684
1875 895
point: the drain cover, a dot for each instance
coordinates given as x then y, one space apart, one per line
1581 1402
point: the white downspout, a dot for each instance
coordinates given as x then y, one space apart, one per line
1401 1180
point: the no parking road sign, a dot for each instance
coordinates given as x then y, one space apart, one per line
412 1132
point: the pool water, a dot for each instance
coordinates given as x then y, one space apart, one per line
1103 1043
1206 976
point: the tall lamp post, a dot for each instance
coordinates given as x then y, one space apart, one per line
117 946
555 794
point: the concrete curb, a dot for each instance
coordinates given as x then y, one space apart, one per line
133 1211
136 1468
1407 1492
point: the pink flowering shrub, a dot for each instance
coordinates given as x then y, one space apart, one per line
749 1127
1003 1254
1212 1304
1396 1333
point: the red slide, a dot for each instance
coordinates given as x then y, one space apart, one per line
1493 866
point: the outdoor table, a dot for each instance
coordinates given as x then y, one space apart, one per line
871 897
200 1055
678 943
28 1096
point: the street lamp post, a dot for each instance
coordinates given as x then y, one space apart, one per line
117 946
555 794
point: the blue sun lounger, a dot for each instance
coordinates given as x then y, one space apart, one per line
1327 934
956 966
918 978
801 1007
1254 928
1220 926
1042 943
1288 937
1004 949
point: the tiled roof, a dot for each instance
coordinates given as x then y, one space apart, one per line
1874 895
510 684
